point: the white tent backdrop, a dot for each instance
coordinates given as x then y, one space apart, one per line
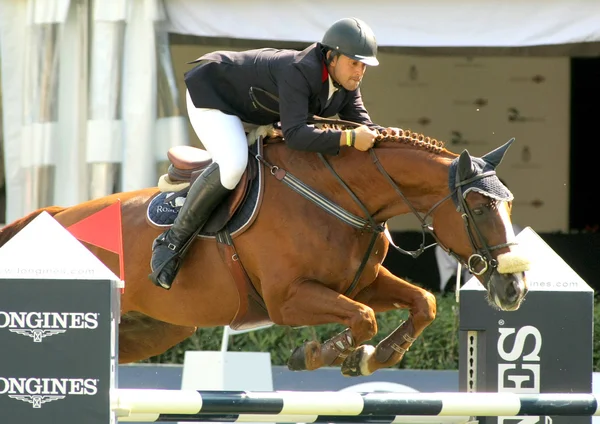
411 23
91 95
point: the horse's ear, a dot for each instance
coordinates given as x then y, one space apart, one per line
494 157
465 166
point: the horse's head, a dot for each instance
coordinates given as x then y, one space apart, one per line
485 240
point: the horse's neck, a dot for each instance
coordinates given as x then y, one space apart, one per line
421 176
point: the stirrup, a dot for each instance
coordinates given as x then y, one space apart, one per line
154 278
154 274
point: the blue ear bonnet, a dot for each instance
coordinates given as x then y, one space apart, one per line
488 185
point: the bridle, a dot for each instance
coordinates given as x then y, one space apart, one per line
481 254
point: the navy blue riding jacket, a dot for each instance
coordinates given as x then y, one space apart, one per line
222 80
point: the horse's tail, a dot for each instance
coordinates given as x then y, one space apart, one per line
10 230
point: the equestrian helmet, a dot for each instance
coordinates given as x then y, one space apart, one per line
353 38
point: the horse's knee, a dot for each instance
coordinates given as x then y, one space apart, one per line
425 308
363 324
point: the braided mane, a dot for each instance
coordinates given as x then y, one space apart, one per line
405 136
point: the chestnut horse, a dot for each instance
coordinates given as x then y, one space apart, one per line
313 254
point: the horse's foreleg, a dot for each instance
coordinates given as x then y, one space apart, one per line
389 292
311 303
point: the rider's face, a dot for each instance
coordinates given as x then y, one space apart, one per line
347 72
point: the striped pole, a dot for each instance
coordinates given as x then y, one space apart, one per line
255 418
172 405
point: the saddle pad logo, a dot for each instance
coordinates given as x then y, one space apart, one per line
163 213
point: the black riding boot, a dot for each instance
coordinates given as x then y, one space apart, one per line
204 196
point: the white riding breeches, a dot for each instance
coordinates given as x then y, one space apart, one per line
223 136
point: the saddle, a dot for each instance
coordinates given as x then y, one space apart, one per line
187 163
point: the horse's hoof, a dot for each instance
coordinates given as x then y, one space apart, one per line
355 364
297 361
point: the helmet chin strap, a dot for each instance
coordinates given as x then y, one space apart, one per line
336 84
333 77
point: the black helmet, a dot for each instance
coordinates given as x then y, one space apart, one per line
353 38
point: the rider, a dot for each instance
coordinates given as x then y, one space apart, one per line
321 80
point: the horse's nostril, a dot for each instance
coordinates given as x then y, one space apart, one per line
512 290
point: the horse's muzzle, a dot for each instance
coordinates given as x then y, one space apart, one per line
507 291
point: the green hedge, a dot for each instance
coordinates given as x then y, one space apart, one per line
436 349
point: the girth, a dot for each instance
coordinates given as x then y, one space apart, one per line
252 311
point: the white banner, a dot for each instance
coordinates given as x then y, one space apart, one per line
408 23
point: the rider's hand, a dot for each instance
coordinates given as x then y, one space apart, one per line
364 138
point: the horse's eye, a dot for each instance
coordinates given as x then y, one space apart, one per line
478 211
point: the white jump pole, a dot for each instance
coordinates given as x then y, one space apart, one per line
164 403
